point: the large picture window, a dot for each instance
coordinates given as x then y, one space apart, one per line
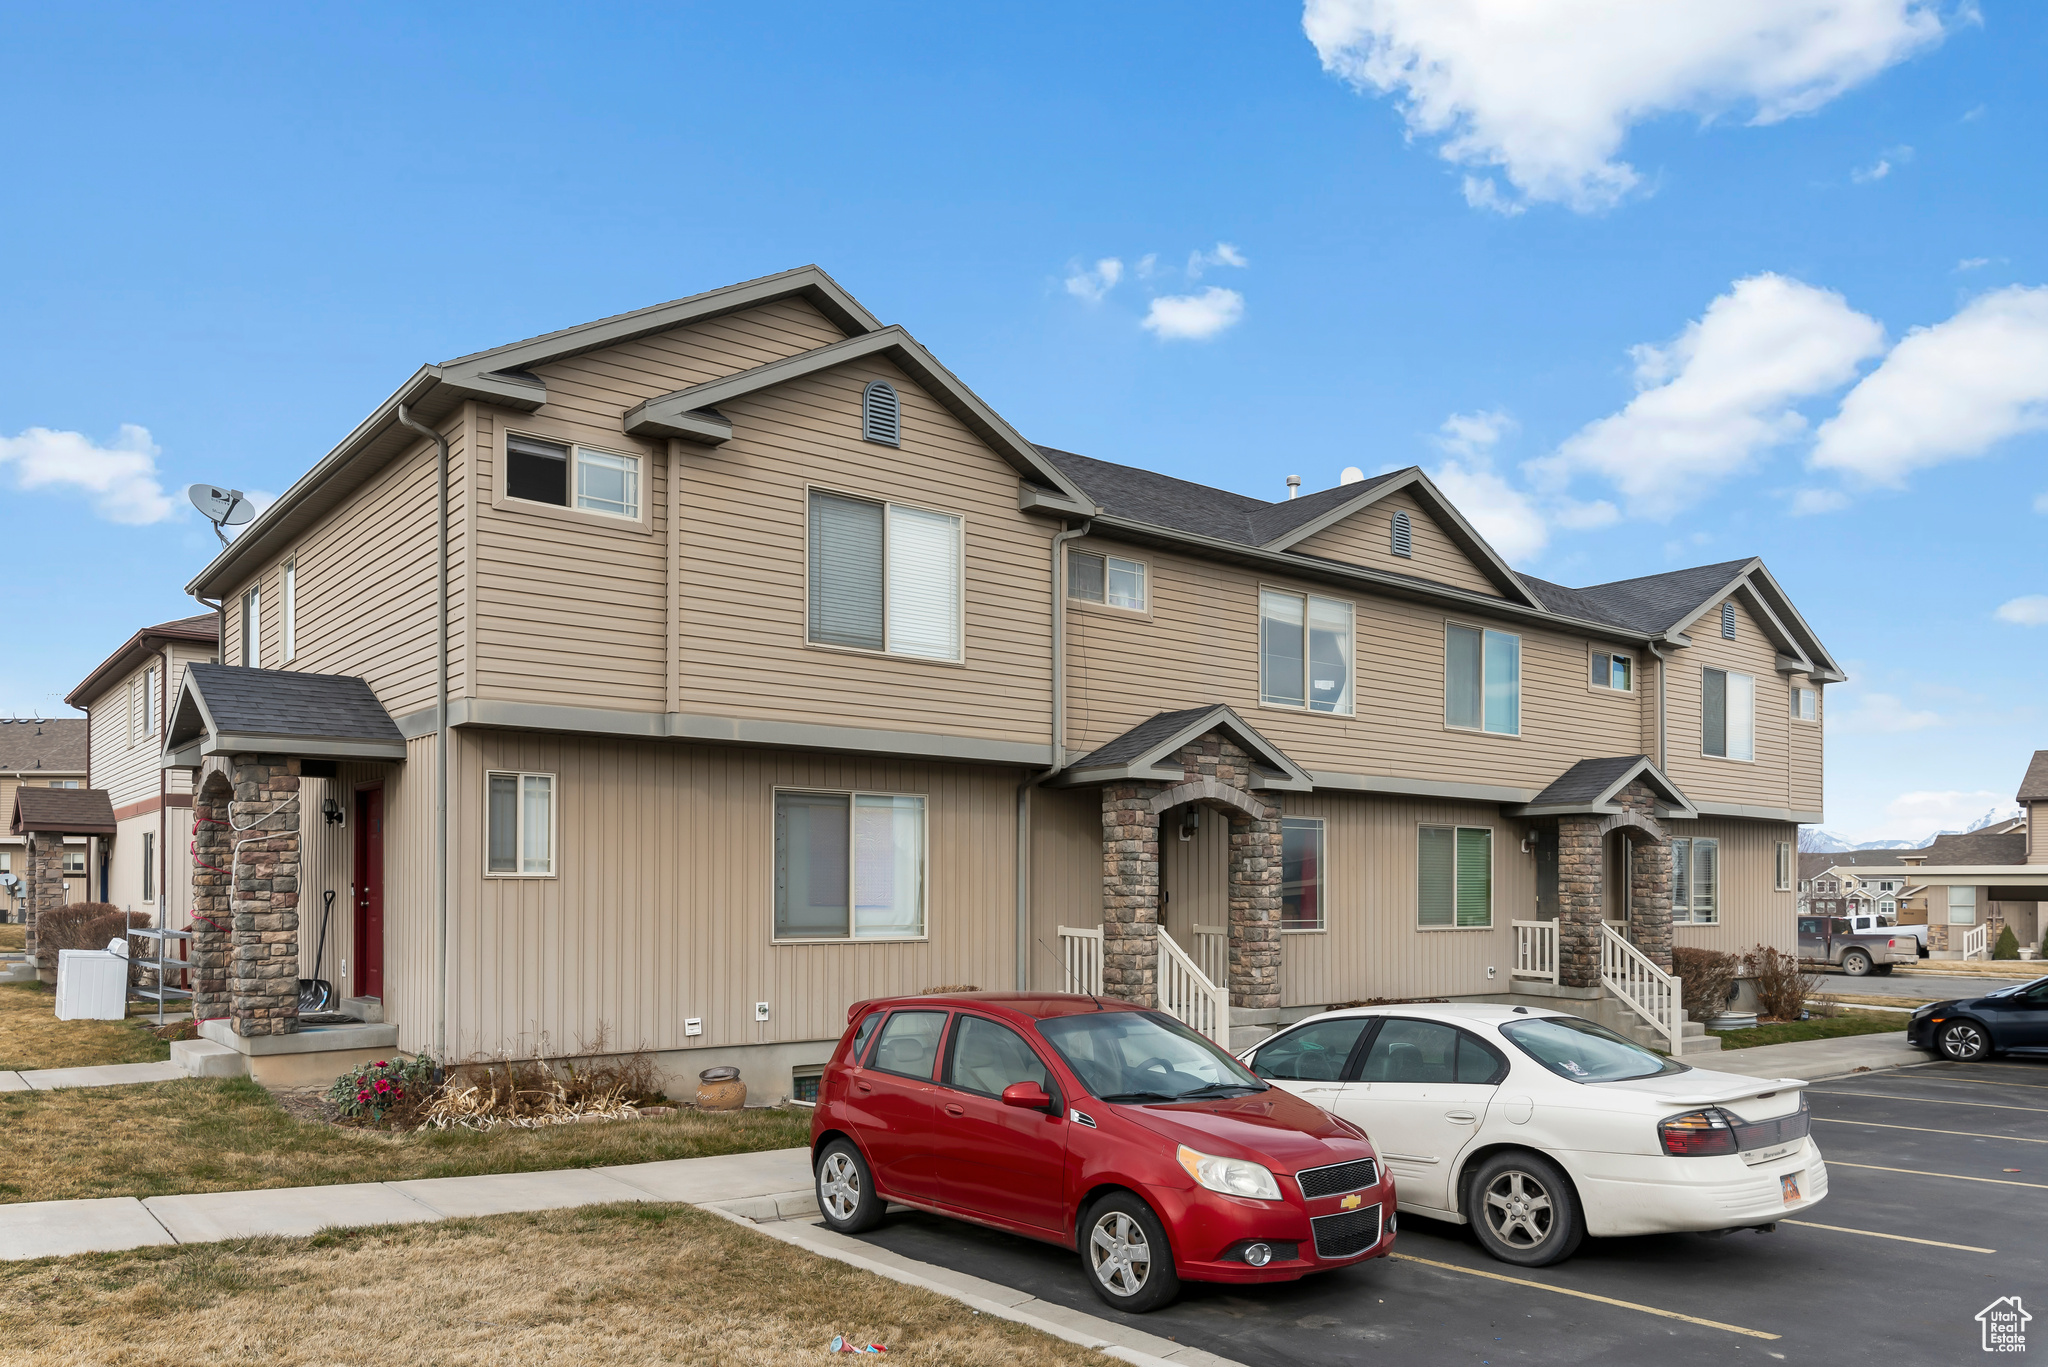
1727 714
1454 877
884 577
1304 652
519 836
569 475
1482 680
1301 873
849 866
1696 881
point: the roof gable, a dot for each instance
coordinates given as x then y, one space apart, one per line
72 811
203 629
1591 786
1365 536
2034 784
223 709
1151 751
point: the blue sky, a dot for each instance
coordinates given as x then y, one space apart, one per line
1700 280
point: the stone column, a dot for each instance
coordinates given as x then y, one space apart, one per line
1130 893
263 977
1255 911
45 894
1649 899
1581 895
212 917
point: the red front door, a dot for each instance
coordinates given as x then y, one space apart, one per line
369 974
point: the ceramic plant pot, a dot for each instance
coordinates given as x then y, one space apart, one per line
720 1089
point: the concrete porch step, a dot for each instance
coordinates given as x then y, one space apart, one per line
204 1058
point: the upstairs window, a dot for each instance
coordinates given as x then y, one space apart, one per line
1728 620
569 475
1403 536
881 414
520 825
1617 672
1106 579
1301 873
1482 680
1805 704
142 706
1304 652
1728 714
252 628
1454 877
1696 881
884 577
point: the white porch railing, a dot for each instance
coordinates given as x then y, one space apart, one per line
1212 953
1535 950
1644 988
1081 952
1189 995
1977 942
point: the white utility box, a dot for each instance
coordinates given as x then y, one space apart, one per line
92 985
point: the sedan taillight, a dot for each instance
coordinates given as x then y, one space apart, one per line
1698 1133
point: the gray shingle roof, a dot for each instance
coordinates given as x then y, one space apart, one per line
1976 847
1585 781
2034 787
75 811
1141 738
1145 496
56 744
1655 602
282 702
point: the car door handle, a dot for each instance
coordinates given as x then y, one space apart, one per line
955 1108
1460 1117
861 1086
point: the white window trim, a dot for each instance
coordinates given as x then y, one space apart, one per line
924 879
960 585
1593 649
1521 656
519 822
590 517
1350 692
288 607
1784 867
1492 875
1089 604
1813 720
1755 733
1322 926
1691 874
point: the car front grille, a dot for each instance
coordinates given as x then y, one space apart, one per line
1346 1233
1337 1179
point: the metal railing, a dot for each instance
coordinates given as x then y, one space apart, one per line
1212 953
1644 988
1081 952
1535 950
1977 942
1189 995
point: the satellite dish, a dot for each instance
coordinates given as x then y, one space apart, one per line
221 507
1352 475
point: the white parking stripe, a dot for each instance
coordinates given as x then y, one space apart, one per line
1932 1100
1582 1295
1952 1176
1980 1081
1902 1238
1921 1129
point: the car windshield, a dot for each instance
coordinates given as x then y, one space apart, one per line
1585 1052
2036 990
1144 1056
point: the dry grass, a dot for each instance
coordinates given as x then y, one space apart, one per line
611 1284
31 1036
163 1138
14 937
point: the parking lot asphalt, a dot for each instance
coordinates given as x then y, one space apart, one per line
1925 1154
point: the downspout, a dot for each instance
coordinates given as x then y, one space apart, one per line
405 419
1663 668
1059 752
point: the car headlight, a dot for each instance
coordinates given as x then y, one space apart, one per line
1231 1176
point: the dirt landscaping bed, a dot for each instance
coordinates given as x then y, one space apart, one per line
163 1138
31 1036
626 1284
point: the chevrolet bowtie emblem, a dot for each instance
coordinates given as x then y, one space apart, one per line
1352 1202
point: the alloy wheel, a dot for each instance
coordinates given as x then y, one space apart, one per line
839 1186
1120 1253
1962 1041
1518 1210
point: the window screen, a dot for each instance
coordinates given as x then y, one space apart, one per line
537 470
1085 575
1454 876
849 865
519 824
1304 652
1483 680
1727 714
846 571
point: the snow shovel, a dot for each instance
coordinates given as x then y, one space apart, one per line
316 992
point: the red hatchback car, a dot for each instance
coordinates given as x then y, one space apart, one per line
1099 1126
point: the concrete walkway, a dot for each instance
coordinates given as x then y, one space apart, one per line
104 1075
1815 1059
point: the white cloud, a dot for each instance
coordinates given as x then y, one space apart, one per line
1547 90
1883 166
1223 255
1513 521
2041 503
1946 392
1880 714
1720 393
1194 317
1091 283
1923 813
1808 502
2030 611
121 477
1148 265
1972 263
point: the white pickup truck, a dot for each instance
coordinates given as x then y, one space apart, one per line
1869 922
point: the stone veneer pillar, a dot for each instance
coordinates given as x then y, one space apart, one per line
263 976
212 916
1255 866
1649 893
1130 893
45 893
1581 897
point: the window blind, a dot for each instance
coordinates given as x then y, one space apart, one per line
1741 704
1714 712
1085 576
888 865
1475 876
846 571
1436 876
503 836
924 583
1462 694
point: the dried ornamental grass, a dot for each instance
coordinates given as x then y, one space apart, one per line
1705 977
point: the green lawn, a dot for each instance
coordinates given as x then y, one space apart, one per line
1822 1027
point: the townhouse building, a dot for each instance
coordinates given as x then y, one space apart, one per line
40 752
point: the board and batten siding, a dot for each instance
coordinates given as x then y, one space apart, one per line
662 907
1366 538
1753 912
1066 876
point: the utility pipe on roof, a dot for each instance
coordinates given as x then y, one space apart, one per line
1059 752
406 419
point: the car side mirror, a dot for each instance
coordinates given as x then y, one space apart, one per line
1029 1095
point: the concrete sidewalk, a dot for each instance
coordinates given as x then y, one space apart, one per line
1815 1059
103 1075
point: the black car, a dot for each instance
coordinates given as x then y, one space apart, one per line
1974 1028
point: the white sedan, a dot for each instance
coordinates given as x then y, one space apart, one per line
1539 1128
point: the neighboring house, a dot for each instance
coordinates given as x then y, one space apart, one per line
41 752
127 701
1836 885
781 672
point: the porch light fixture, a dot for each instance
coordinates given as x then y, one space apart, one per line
332 811
1190 822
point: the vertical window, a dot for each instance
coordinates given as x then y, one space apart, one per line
1784 866
1403 536
1613 671
881 414
1728 620
884 576
289 579
1454 876
520 825
849 866
134 711
1106 579
1805 704
536 470
1301 873
604 481
1483 680
1696 880
149 866
151 697
252 628
1304 652
1962 906
1727 714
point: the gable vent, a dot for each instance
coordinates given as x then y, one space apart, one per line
881 414
1404 536
1728 620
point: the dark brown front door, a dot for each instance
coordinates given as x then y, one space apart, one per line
369 974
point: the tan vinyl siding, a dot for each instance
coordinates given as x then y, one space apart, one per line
1066 875
1753 912
1366 538
1765 781
124 761
1807 743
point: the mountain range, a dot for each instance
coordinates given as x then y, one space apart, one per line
1817 840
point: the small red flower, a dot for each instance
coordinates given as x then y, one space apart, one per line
362 1096
381 1063
382 1085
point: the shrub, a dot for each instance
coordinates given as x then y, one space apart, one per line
2008 946
392 1090
1781 988
81 925
1706 978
